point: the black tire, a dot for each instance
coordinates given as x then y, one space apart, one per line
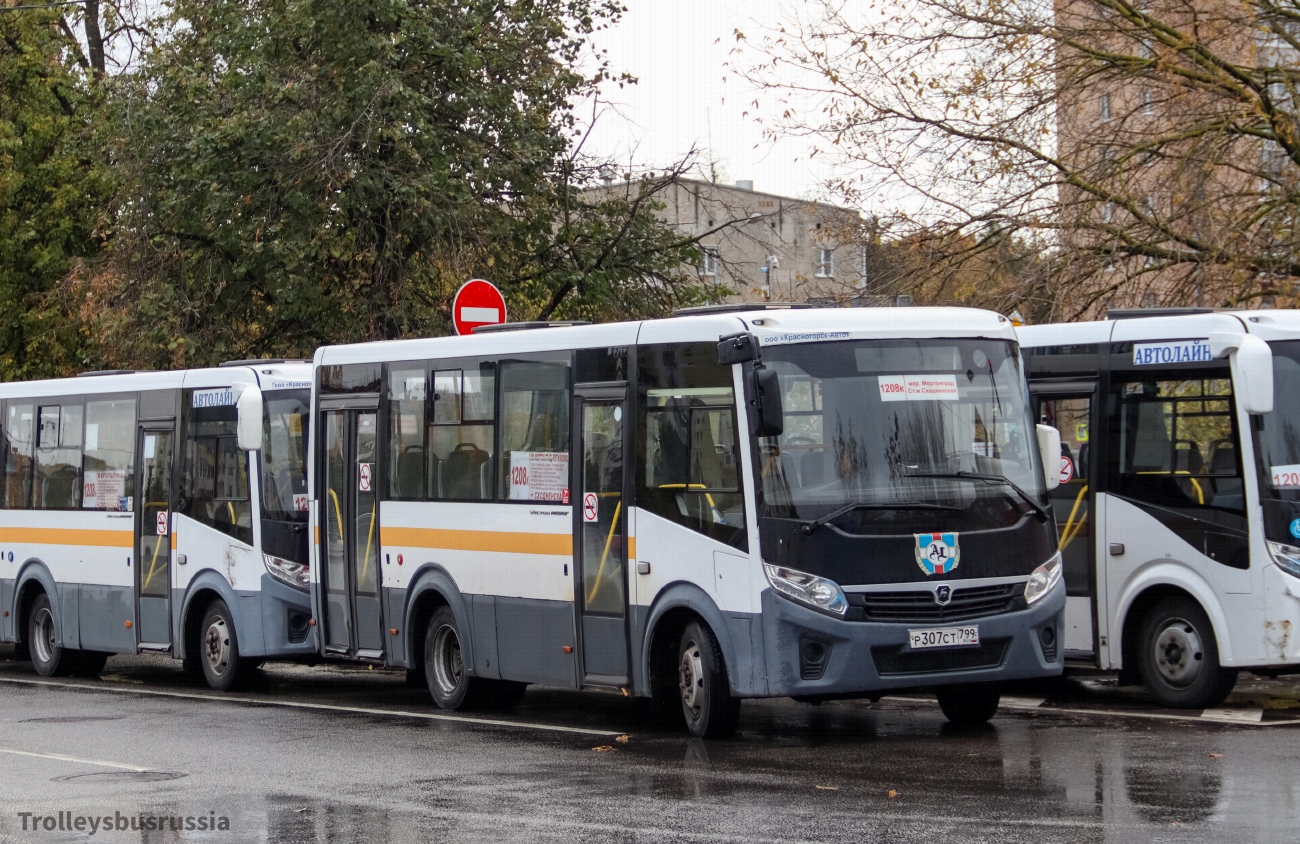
969 704
219 648
705 693
449 684
49 658
1178 656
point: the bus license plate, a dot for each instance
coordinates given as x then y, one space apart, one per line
944 637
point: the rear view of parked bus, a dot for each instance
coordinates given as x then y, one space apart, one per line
734 503
157 512
1179 494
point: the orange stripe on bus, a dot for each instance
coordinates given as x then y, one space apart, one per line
557 544
68 536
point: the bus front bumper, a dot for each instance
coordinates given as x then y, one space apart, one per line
809 653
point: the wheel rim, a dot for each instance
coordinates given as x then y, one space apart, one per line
216 646
1179 654
43 635
447 665
690 679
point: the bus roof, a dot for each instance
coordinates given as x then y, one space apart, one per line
271 376
1268 325
771 327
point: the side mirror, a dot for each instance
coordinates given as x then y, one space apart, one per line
1252 369
737 348
248 430
768 418
1049 448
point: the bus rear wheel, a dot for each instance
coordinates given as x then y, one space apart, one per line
970 704
219 647
1178 656
48 657
444 667
710 709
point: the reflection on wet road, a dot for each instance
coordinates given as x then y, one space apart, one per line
381 765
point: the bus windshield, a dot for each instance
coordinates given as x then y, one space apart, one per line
284 455
1277 445
901 435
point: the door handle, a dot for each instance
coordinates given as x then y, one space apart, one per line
1117 549
642 567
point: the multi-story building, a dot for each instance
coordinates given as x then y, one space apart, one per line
764 247
1171 176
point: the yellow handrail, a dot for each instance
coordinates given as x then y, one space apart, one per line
1066 533
338 513
595 588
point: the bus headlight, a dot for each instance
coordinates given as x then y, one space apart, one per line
294 574
1043 579
816 592
1287 557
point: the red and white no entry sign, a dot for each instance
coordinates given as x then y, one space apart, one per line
162 523
590 507
1067 470
364 484
478 302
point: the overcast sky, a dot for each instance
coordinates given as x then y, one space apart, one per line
678 50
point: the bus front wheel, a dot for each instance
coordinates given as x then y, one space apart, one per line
219 647
710 709
969 705
1178 656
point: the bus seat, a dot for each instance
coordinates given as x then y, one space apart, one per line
1188 459
435 475
410 470
464 473
1223 459
812 468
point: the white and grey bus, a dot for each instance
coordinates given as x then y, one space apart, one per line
734 503
130 520
1179 501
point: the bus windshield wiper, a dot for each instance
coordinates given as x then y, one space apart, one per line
808 527
987 478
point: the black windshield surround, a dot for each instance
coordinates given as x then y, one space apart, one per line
847 441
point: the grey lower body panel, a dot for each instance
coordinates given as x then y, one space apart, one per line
863 657
103 612
9 618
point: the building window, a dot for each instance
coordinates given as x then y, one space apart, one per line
1148 300
825 266
862 268
709 266
1108 212
1147 107
1105 107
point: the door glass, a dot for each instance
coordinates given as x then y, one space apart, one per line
366 535
602 507
1071 417
335 492
155 524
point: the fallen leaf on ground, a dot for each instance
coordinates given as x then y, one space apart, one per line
827 787
1215 755
622 739
892 793
603 748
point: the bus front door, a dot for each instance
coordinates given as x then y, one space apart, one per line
353 623
600 564
153 541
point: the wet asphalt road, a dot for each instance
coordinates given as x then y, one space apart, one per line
857 772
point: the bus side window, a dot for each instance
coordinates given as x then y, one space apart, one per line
216 472
688 466
534 431
462 436
19 447
57 485
1175 443
406 448
108 465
